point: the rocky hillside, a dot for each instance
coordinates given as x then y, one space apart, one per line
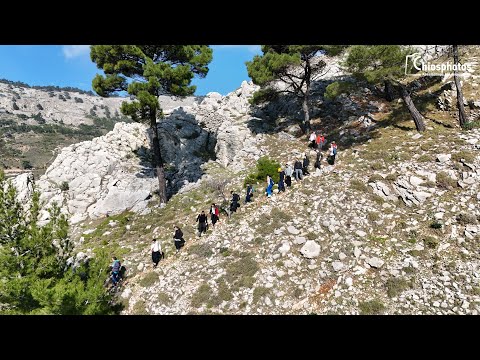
35 124
391 228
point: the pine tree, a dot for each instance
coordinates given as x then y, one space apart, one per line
384 64
35 277
295 65
147 71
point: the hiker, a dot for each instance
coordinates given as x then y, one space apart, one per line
248 198
312 139
322 141
156 249
202 223
270 184
318 160
298 170
235 202
306 162
317 140
332 153
116 265
288 175
214 214
178 239
281 182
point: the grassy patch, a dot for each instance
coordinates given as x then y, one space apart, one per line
202 250
425 158
371 307
358 185
259 292
149 279
373 216
240 273
430 242
163 298
395 286
311 236
280 215
466 218
201 296
444 181
375 177
467 156
391 177
139 308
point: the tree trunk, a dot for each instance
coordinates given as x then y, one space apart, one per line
157 160
416 116
388 90
462 117
306 119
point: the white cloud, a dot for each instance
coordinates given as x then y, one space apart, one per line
252 48
73 51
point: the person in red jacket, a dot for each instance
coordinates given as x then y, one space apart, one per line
214 212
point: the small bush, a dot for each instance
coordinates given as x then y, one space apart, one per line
259 292
163 298
444 181
64 186
425 158
148 280
265 166
466 155
27 165
371 307
202 250
240 273
391 177
277 214
436 225
395 286
78 100
139 308
373 216
39 107
466 218
430 242
375 177
336 88
224 292
472 125
15 106
358 185
201 296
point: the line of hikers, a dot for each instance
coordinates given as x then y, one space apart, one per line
299 169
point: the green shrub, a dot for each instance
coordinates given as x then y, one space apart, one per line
371 307
259 292
466 155
431 242
436 225
472 125
163 298
265 166
26 165
64 186
375 177
139 308
240 273
336 88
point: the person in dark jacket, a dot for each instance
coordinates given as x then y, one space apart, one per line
178 239
281 182
306 162
249 195
116 265
202 223
318 160
235 202
298 170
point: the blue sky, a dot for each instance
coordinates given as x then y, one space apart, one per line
70 65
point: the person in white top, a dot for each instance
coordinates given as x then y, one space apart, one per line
312 139
156 252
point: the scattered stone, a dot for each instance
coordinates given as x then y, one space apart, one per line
375 262
299 240
443 157
361 233
310 250
337 265
292 230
